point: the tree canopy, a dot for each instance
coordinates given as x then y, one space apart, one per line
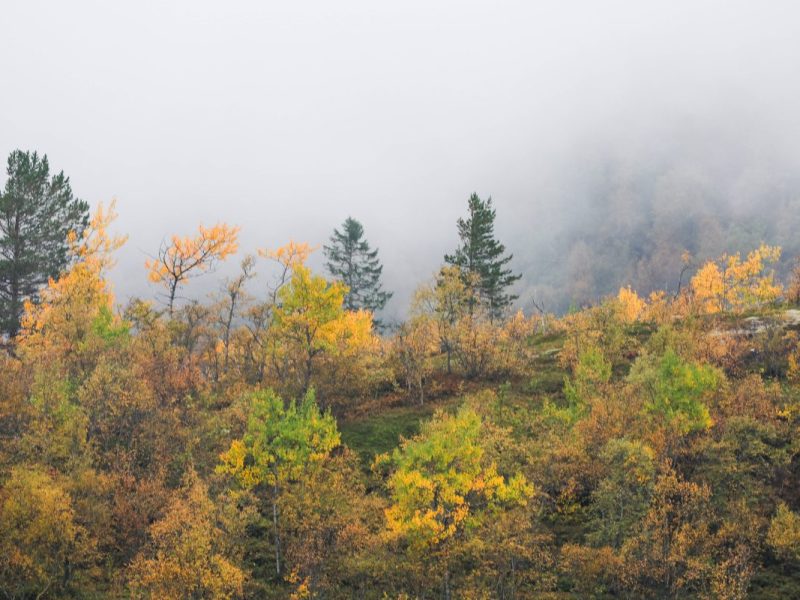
37 211
351 261
480 253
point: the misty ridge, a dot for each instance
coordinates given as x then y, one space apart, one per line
625 215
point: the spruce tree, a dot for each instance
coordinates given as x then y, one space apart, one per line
350 260
480 257
36 213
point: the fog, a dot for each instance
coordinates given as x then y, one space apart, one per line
285 118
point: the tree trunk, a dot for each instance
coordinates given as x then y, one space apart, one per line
14 301
173 288
276 532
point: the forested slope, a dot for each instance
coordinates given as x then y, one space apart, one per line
271 444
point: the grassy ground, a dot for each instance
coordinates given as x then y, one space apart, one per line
380 429
377 433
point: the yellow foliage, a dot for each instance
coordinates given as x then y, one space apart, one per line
732 283
310 326
631 305
185 556
69 306
39 533
662 310
784 533
442 483
708 287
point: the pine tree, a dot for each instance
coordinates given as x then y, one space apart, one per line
351 261
37 212
481 255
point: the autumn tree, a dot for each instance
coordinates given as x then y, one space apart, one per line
230 306
261 353
444 302
670 554
351 261
252 342
309 322
184 257
631 306
479 253
281 445
783 535
332 526
42 546
441 485
37 211
734 283
463 324
287 257
79 304
186 554
414 348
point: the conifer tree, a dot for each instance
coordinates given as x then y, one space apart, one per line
351 261
481 255
37 212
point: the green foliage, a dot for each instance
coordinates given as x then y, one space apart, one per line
282 445
481 255
106 326
351 261
281 442
37 211
623 496
676 389
591 372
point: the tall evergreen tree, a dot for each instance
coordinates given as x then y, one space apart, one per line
351 261
481 255
36 213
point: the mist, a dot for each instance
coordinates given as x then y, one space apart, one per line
598 129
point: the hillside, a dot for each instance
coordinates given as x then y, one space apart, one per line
279 444
762 446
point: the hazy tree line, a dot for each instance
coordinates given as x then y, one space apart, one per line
272 443
629 218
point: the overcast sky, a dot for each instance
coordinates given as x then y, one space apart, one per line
287 117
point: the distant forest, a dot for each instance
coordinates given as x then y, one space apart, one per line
627 214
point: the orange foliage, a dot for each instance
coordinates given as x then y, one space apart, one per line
70 306
184 257
290 255
732 283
